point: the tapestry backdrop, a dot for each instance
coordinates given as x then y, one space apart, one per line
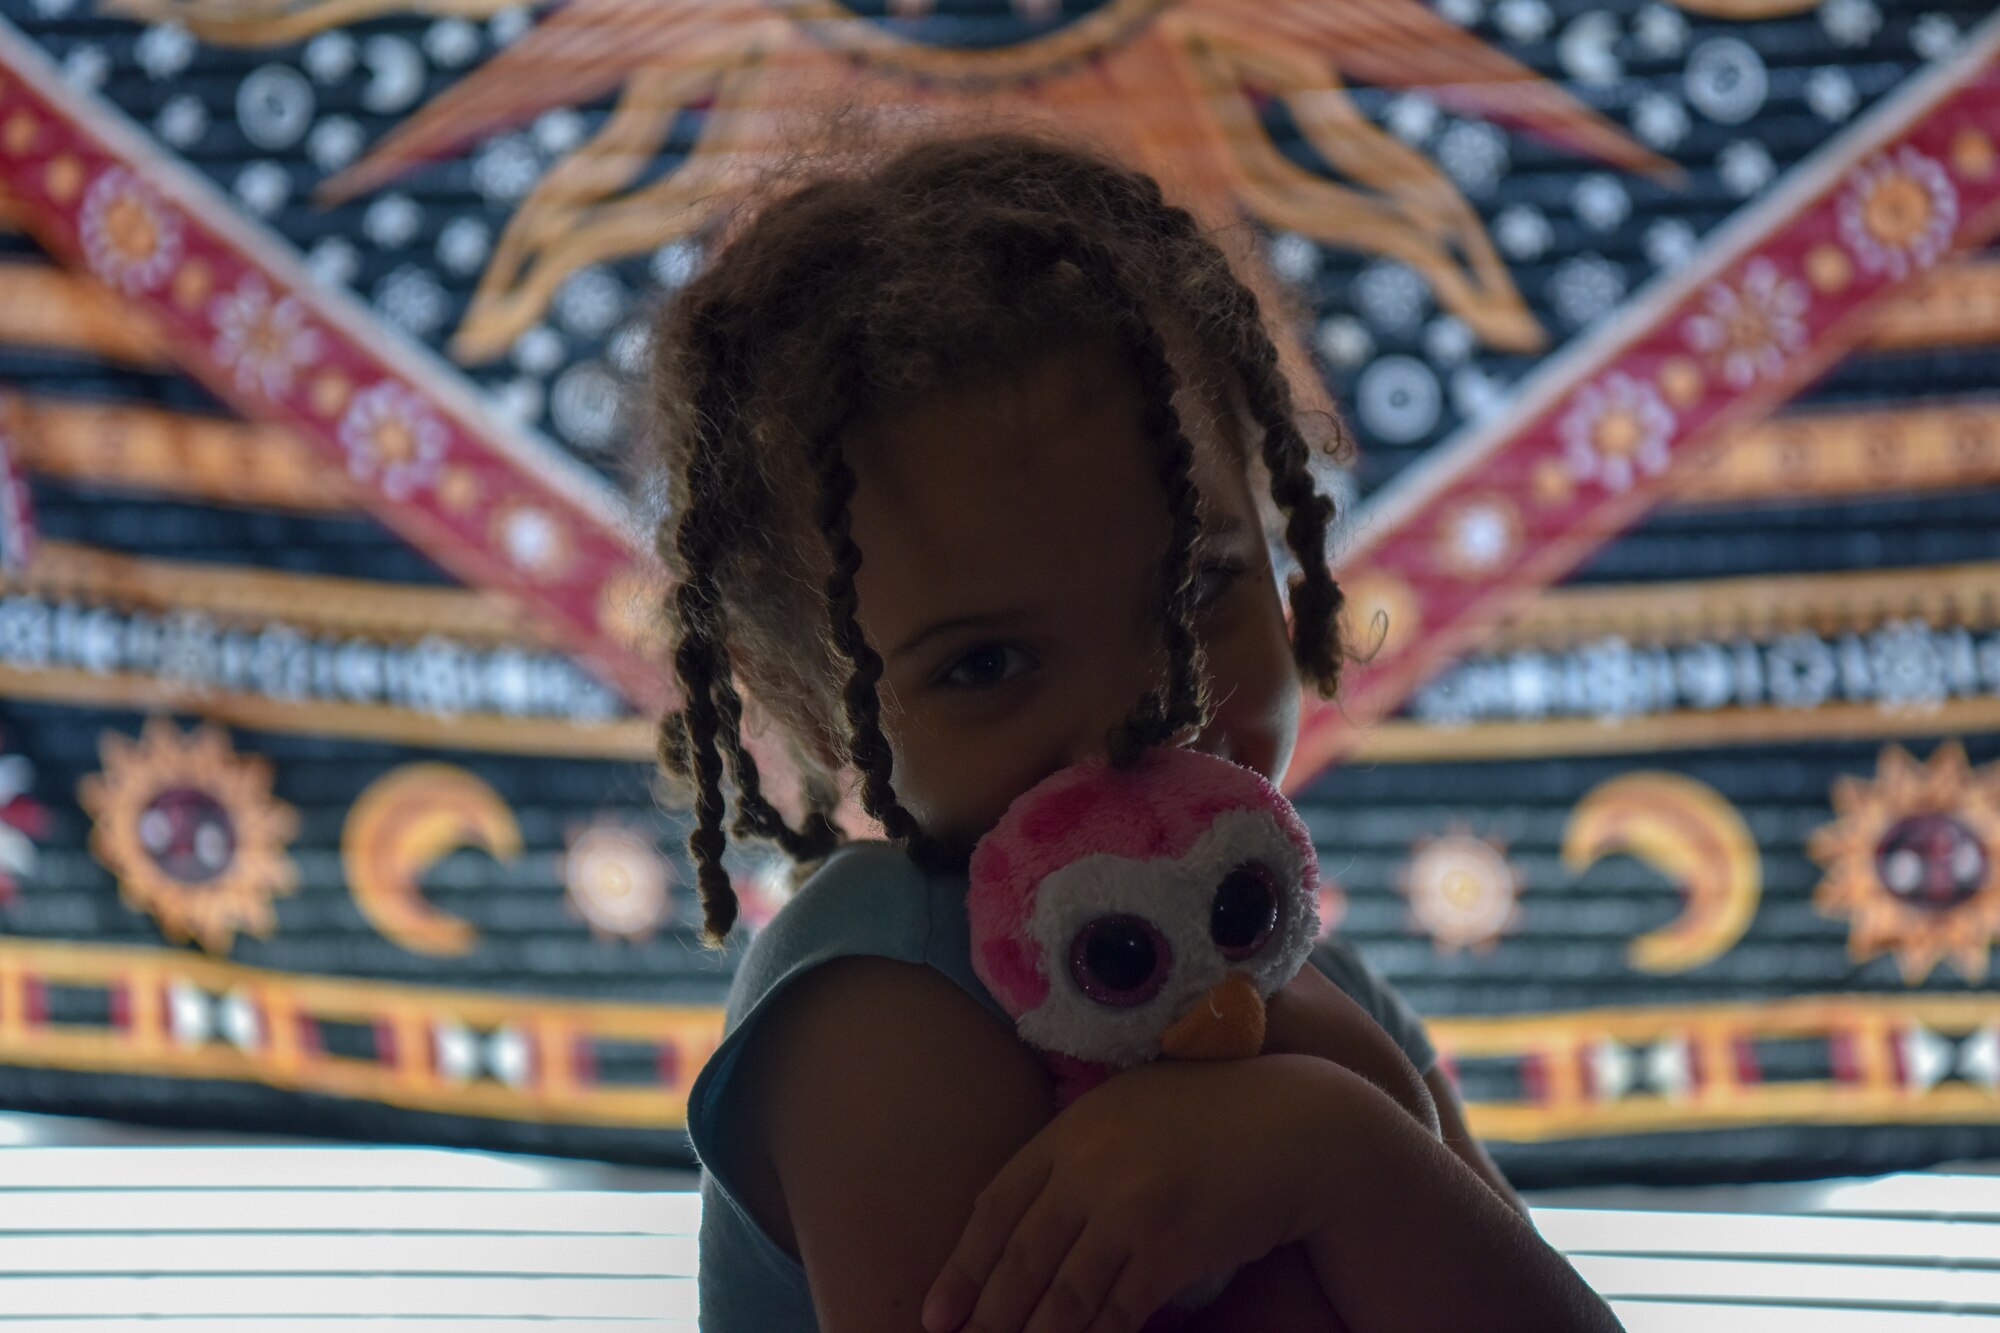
1671 793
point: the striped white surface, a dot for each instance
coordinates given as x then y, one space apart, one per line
131 1233
104 1228
1911 1253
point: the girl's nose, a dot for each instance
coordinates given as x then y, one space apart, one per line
1216 742
1092 739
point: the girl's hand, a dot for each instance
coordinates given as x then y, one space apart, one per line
1312 1016
1165 1174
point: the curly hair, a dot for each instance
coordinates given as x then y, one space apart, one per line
848 296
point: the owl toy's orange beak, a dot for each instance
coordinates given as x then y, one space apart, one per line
1225 1024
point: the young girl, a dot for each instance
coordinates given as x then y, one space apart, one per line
964 454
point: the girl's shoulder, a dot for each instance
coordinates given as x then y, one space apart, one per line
867 899
853 1074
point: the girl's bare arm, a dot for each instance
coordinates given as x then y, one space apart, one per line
889 1098
1406 1237
1312 1016
1281 1293
1458 1137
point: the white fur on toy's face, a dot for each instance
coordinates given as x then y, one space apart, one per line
1176 896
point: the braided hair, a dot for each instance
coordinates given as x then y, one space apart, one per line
839 301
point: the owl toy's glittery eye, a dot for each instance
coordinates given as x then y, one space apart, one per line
1120 960
1245 911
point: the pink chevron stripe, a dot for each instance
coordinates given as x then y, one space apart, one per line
1606 428
494 505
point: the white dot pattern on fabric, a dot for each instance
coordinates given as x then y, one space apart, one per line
1726 80
585 405
1585 288
274 106
1399 399
330 57
1474 154
1392 295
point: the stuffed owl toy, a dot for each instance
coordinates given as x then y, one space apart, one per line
1122 914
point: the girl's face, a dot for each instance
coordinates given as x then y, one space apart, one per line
1012 538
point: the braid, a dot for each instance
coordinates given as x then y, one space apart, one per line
698 720
1187 702
867 748
1316 598
756 817
1186 699
709 726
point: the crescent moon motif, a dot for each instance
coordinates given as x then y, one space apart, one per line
408 820
1690 833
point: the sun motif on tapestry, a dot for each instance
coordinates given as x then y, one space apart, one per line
1181 88
191 831
1913 862
1463 891
616 880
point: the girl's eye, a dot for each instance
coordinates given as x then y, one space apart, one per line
1215 580
984 667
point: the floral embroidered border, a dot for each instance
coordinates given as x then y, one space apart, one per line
496 507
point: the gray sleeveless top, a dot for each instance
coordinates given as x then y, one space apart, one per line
869 899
